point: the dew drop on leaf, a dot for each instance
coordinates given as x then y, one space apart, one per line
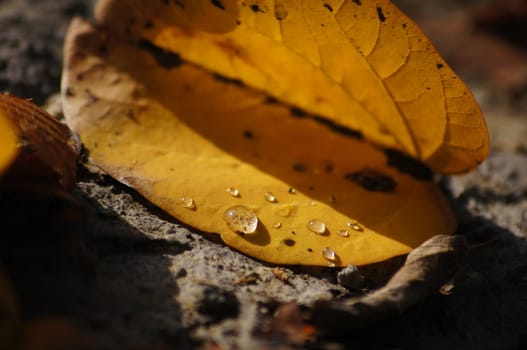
329 253
270 197
241 219
343 233
233 191
317 226
353 224
187 202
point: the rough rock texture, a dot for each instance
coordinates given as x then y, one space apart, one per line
133 277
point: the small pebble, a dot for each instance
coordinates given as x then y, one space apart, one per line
350 277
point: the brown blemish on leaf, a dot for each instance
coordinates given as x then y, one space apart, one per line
165 59
382 18
328 6
372 180
408 165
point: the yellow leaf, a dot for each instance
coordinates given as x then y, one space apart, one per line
363 65
314 118
8 140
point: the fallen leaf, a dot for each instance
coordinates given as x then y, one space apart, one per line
306 155
426 269
45 151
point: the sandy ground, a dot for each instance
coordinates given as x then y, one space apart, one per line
132 277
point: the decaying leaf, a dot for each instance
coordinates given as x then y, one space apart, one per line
45 151
300 131
426 269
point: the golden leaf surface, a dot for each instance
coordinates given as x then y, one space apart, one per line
201 145
363 65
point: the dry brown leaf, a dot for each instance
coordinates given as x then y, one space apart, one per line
46 153
426 269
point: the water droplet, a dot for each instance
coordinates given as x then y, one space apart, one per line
353 224
329 253
317 226
270 197
343 233
312 203
285 211
187 202
291 190
233 191
241 219
277 225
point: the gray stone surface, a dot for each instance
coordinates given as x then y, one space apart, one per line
132 276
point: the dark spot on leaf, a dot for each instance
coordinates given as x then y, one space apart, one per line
248 134
372 180
343 130
300 167
310 250
408 165
298 113
328 6
218 4
289 242
255 8
358 2
79 76
165 59
69 92
380 14
439 65
404 25
226 80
